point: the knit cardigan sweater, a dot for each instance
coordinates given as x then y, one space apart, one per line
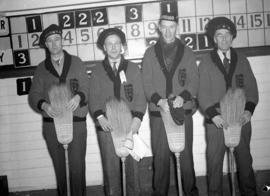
105 85
214 82
182 79
74 75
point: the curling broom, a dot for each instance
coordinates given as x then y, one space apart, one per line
176 140
232 107
59 97
119 116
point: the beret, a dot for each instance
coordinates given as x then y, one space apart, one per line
220 23
50 30
110 31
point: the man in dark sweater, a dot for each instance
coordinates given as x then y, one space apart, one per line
115 77
59 67
219 70
169 67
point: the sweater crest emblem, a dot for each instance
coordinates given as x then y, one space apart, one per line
182 76
128 88
74 85
239 80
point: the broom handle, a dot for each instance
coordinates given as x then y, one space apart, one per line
67 169
177 155
232 170
123 159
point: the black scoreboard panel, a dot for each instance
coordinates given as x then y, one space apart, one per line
19 35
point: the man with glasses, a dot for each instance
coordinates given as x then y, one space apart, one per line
119 78
221 69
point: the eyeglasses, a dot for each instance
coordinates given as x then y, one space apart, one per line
223 36
111 45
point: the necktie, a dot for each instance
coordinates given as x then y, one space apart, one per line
226 62
114 68
57 62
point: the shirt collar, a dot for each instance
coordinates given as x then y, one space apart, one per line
58 62
111 61
221 56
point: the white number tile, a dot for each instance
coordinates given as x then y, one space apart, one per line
4 26
151 11
49 19
69 37
151 28
187 25
97 31
116 14
221 7
256 37
254 6
18 25
99 55
267 19
201 23
238 6
186 8
122 27
204 7
6 57
240 20
37 56
133 52
84 35
135 30
267 37
33 39
241 39
19 41
71 49
86 52
4 43
255 20
266 5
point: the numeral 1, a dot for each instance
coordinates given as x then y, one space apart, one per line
20 41
186 25
34 24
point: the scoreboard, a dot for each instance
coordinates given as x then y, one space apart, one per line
19 35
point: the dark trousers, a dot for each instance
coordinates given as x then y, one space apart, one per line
161 158
76 153
215 155
112 168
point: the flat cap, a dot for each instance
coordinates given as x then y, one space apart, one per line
170 16
220 23
110 31
50 30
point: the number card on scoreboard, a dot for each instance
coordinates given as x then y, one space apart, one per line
19 35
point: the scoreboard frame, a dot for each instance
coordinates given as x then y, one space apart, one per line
81 27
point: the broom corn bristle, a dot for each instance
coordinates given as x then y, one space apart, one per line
175 133
232 107
59 96
119 116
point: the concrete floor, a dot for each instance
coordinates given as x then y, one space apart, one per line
262 177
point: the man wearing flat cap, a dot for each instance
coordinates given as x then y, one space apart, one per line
221 69
114 77
61 68
170 70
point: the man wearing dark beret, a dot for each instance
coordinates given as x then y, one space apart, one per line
119 78
169 69
223 68
59 67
